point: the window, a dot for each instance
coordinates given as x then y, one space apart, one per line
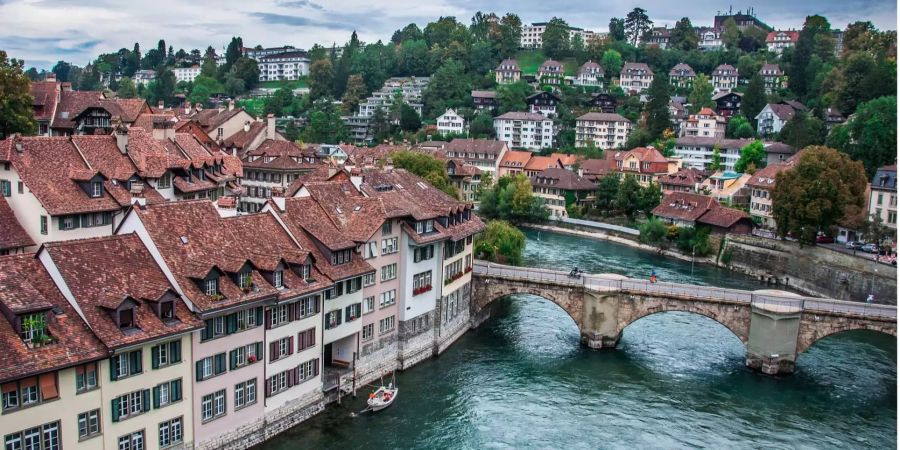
386 325
340 257
423 253
44 437
167 393
370 249
280 315
96 189
388 298
165 354
170 433
167 310
451 306
353 285
89 424
68 222
6 188
126 318
308 370
333 319
306 339
130 405
369 279
422 282
279 279
352 312
126 364
85 377
426 226
245 393
305 271
245 280
165 181
389 246
245 354
212 405
212 287
389 272
44 225
368 304
33 326
210 366
309 306
368 331
386 228
133 441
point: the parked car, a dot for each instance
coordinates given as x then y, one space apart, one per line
855 245
870 248
822 239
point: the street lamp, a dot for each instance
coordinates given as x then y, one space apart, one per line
693 252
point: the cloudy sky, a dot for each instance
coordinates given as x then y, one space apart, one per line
44 31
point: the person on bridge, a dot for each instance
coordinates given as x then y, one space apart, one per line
653 275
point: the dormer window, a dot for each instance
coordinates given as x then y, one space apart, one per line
245 280
167 310
34 328
305 272
279 279
96 189
125 318
211 286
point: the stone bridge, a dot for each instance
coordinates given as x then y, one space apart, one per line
775 326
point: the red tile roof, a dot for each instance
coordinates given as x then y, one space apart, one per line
12 235
102 272
103 154
47 166
26 285
73 103
46 95
684 206
515 159
540 163
688 177
723 217
562 179
244 137
287 156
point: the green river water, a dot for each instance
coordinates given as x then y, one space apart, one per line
677 380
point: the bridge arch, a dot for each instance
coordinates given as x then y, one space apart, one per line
812 331
569 300
734 317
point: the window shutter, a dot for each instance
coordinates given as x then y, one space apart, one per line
268 387
156 397
113 368
290 346
295 311
338 317
268 318
273 351
259 315
175 390
231 323
115 409
316 367
154 356
207 332
146 403
312 337
220 363
318 308
135 358
259 351
199 370
232 364
292 377
175 351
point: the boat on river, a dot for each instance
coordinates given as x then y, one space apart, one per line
383 397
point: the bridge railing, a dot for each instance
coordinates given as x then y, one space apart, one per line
810 304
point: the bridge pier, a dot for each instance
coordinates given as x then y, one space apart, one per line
772 346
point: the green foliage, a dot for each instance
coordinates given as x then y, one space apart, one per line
512 199
482 126
409 118
873 134
126 88
809 44
628 199
739 128
15 107
637 23
701 94
617 29
321 79
612 63
716 163
658 118
500 242
233 52
556 38
639 137
803 130
325 125
693 241
653 232
821 188
162 88
204 87
511 97
291 132
754 99
753 157
426 166
731 35
683 36
450 87
246 70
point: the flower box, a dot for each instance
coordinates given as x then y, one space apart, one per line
468 269
251 359
422 290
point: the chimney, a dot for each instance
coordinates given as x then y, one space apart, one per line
160 105
65 87
187 107
16 138
50 77
221 107
122 138
231 105
270 126
247 126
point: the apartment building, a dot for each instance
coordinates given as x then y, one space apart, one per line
773 77
271 168
646 164
682 76
49 376
553 184
551 72
697 151
635 78
883 196
773 117
146 398
761 185
485 154
589 74
524 130
513 162
186 74
705 123
724 78
777 41
533 35
508 72
465 178
603 130
289 65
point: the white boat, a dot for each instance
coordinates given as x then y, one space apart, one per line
382 397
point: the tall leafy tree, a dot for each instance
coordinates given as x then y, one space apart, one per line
739 128
356 90
716 163
409 32
409 118
449 88
15 106
500 242
753 157
126 88
63 71
803 130
701 94
804 51
510 34
325 125
731 34
754 99
607 192
163 87
233 52
821 189
683 36
612 63
637 24
247 70
873 133
617 29
556 38
628 196
512 97
657 107
321 79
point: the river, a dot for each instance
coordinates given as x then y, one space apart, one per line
677 380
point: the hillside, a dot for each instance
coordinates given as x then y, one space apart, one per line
531 60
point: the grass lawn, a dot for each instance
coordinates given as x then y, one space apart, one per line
530 61
292 84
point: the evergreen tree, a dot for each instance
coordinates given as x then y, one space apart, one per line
873 133
449 88
754 99
510 33
637 24
731 34
607 192
556 38
683 36
803 53
617 29
628 196
657 108
803 130
716 163
321 79
356 90
233 52
409 118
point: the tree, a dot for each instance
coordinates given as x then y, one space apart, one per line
409 32
16 115
628 196
873 133
752 155
162 89
683 36
412 58
426 166
62 70
861 78
233 52
754 99
482 127
693 241
126 89
649 198
731 35
653 233
617 29
409 118
556 38
512 97
637 23
204 87
612 63
209 67
356 89
510 33
500 242
234 86
804 51
607 192
449 88
739 128
803 130
657 108
247 70
291 132
821 188
716 164
325 124
321 79
701 94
